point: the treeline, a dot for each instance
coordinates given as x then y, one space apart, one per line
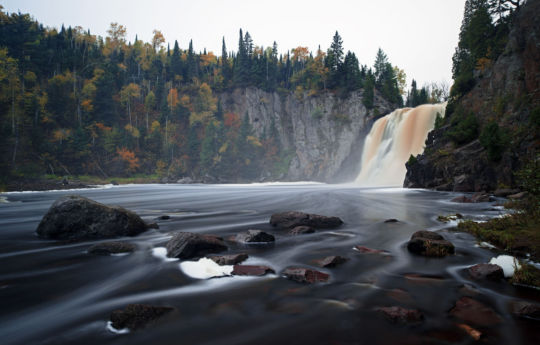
76 103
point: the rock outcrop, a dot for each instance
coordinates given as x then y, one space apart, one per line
508 92
74 217
324 132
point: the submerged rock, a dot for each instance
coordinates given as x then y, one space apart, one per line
186 245
462 199
290 220
475 312
254 236
486 271
366 250
331 261
305 275
232 259
302 229
107 248
251 270
401 315
526 310
474 333
428 243
137 316
74 217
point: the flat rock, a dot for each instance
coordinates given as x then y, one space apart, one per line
401 315
186 245
431 244
137 316
475 312
74 217
526 310
302 229
107 248
290 220
486 271
251 270
232 259
331 261
366 250
305 275
254 236
504 192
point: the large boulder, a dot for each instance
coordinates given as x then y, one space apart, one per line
74 217
187 245
428 243
137 316
290 220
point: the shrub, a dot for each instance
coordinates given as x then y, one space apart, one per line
494 140
464 128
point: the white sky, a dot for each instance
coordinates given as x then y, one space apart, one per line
419 36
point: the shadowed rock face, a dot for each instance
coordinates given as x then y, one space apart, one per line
74 217
137 316
291 220
186 245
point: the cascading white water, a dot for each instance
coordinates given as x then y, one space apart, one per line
391 141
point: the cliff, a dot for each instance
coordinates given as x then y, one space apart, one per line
323 133
506 92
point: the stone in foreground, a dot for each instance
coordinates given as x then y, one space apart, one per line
290 220
431 244
232 259
251 270
401 315
254 236
526 310
74 217
331 261
305 275
187 245
108 248
137 316
474 312
486 271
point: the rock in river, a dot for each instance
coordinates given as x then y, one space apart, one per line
486 271
331 261
186 245
232 259
74 217
251 270
401 315
290 220
305 275
137 316
428 243
108 248
254 236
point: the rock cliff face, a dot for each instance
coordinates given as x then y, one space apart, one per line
323 133
508 92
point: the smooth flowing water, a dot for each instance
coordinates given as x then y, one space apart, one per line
54 292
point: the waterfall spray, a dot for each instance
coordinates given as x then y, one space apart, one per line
391 141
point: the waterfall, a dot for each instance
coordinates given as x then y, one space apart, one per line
391 141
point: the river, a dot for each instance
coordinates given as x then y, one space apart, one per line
55 293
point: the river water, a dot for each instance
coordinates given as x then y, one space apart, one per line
55 293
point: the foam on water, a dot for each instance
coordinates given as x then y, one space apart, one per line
161 253
205 268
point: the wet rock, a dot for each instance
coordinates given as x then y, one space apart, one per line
391 220
305 275
400 295
446 219
474 333
401 315
153 226
475 312
186 245
232 259
290 220
526 310
366 250
431 244
302 229
251 270
331 261
518 196
185 180
164 217
503 193
114 183
486 271
254 236
107 248
137 316
462 199
74 217
481 197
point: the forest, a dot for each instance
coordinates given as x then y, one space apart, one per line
74 103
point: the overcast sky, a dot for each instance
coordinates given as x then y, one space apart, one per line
419 36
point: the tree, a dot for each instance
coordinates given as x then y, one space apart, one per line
157 40
381 62
127 94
